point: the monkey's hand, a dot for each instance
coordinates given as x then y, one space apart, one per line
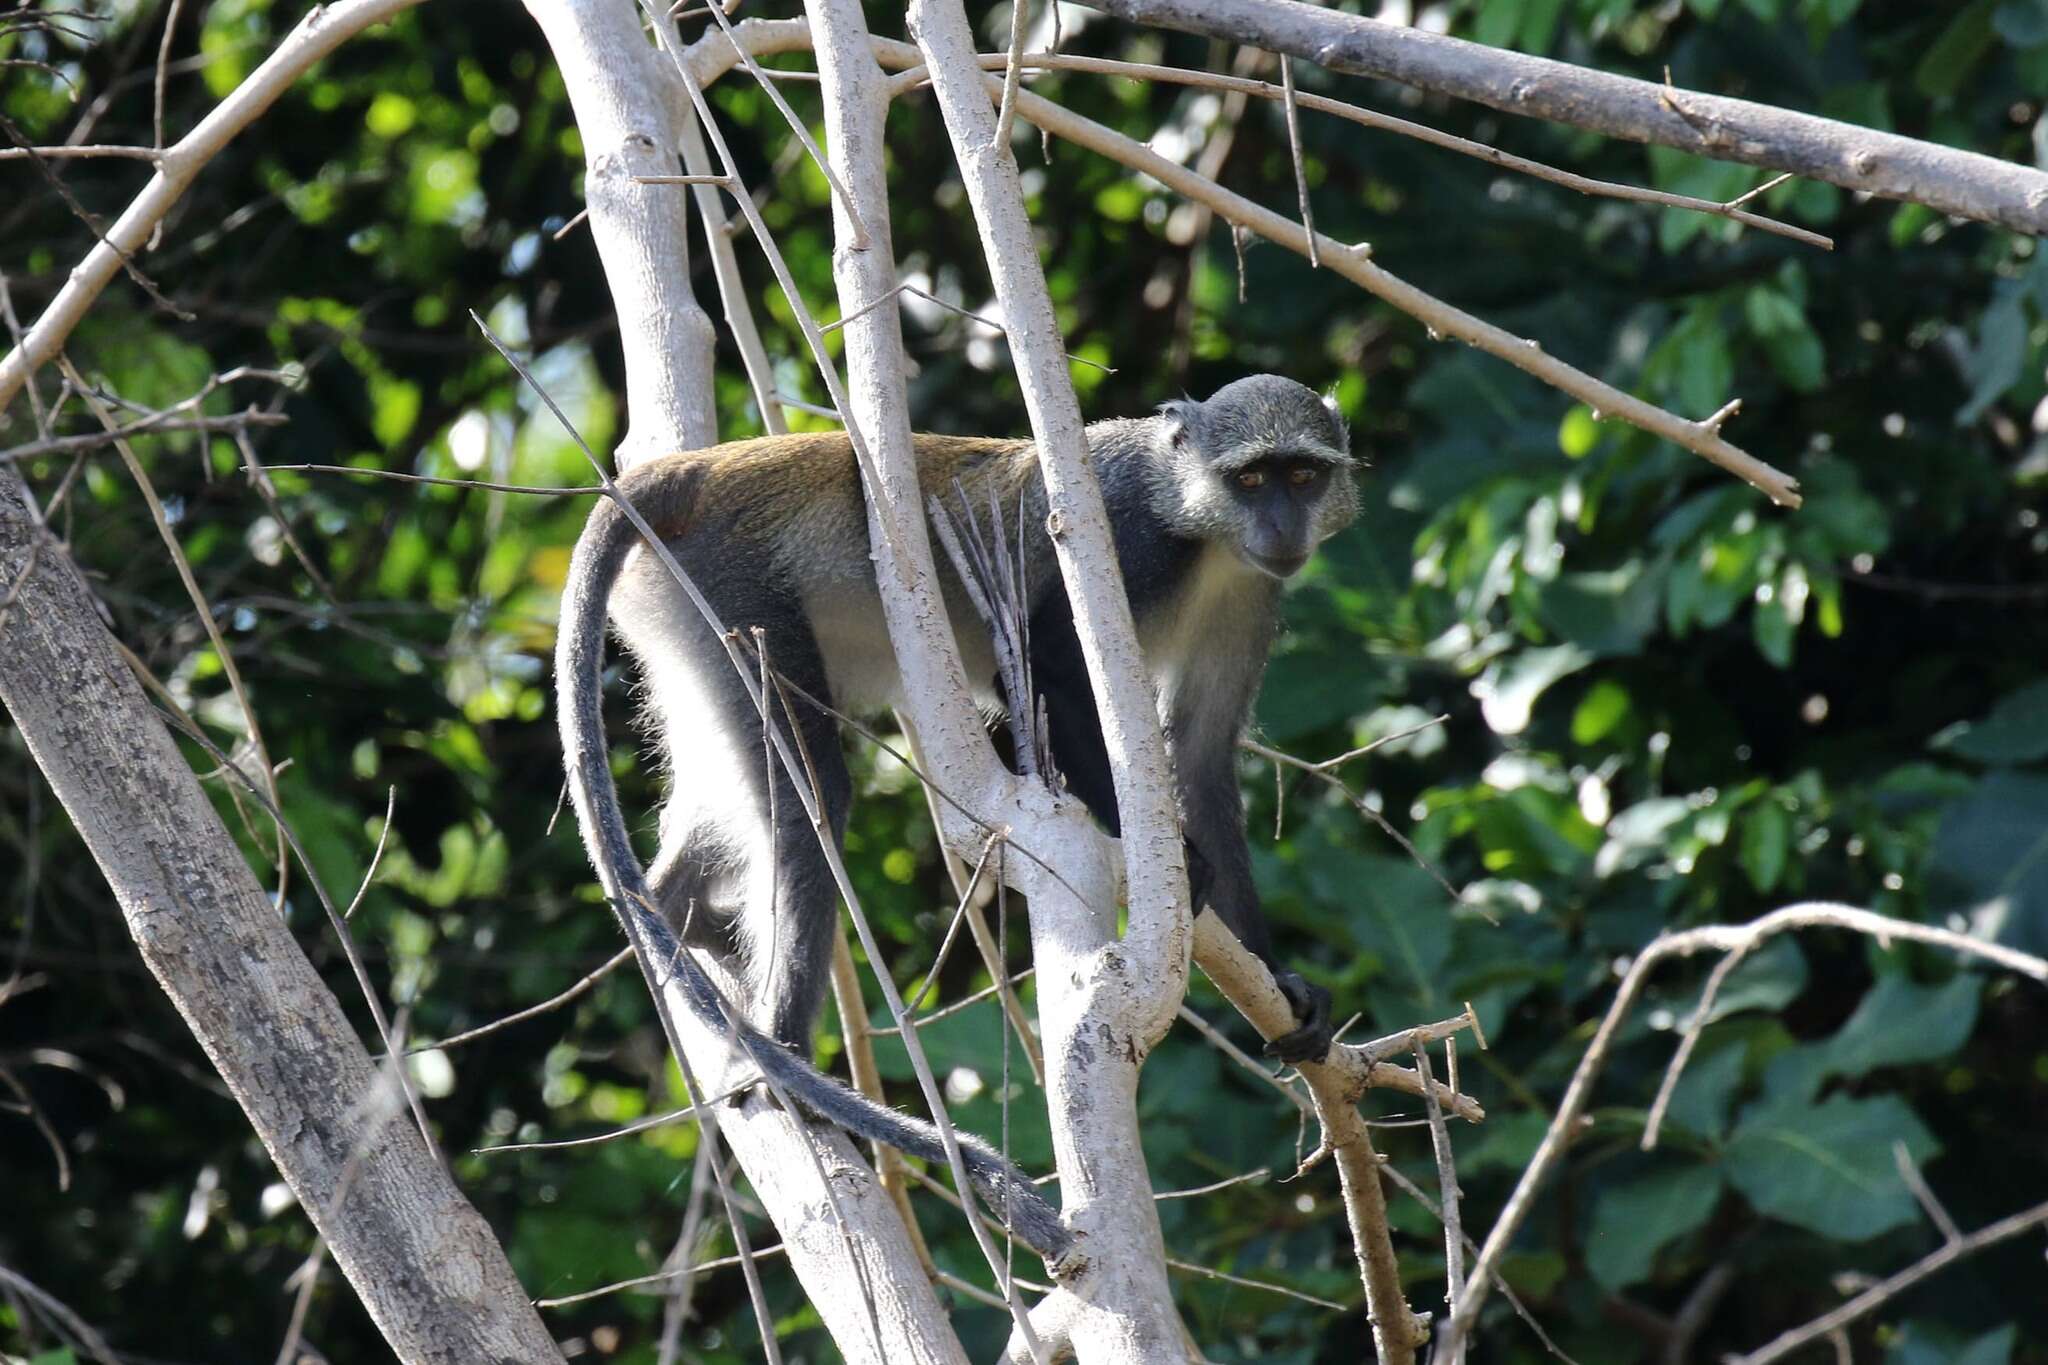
1310 1040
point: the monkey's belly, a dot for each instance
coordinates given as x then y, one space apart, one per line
860 663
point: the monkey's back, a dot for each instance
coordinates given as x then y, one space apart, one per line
787 516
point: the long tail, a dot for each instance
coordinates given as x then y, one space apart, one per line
579 659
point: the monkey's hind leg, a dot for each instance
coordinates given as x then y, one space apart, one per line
747 846
788 924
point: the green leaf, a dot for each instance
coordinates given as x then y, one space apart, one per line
1961 44
1898 1022
1632 1222
1393 909
1578 433
1766 840
1539 25
1507 691
1773 631
1599 711
1610 611
1990 857
2016 731
1829 1167
1798 358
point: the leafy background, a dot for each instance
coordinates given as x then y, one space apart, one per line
1668 704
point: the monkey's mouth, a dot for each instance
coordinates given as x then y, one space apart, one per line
1276 566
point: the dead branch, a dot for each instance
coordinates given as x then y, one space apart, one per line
1950 1251
1962 183
1736 939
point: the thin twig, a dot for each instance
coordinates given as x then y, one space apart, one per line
229 670
78 152
1564 1124
573 490
1205 1272
163 64
1435 137
798 126
1013 71
376 855
1288 102
658 1277
1917 1183
2012 1225
148 426
1245 1060
553 1002
950 307
1248 1178
1446 1183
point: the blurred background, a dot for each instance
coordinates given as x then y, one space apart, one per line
1666 703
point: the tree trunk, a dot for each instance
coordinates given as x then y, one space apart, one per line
427 1267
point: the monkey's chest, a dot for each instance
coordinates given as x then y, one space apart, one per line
1190 634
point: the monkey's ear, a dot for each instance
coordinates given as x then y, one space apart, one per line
1180 420
1337 418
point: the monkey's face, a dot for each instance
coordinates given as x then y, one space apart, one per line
1286 505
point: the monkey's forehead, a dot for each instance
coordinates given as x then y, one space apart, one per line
1271 411
1289 446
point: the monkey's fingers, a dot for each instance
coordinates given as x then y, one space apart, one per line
1309 1041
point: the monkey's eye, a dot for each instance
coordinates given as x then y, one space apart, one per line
1251 478
1302 475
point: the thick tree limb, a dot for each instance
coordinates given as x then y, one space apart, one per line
1702 437
1335 1084
1966 184
425 1265
625 89
1102 1003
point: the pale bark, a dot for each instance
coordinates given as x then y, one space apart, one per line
1102 1004
623 91
629 129
423 1262
1967 184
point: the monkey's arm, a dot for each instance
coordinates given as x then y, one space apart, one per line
1204 743
1220 867
1060 674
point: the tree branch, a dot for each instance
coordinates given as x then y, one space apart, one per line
425 1265
324 28
1966 184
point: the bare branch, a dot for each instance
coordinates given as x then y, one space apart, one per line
1435 137
1446 1183
1564 1124
210 935
148 426
1991 1234
324 28
1944 178
553 1002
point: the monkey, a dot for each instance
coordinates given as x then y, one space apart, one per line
1213 506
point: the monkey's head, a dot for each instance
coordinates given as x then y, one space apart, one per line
1263 466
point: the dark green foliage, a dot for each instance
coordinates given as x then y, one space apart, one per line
1668 703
